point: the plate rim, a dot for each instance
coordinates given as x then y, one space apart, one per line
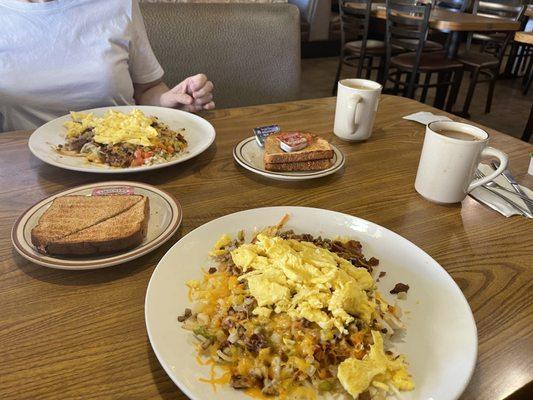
474 356
285 175
129 170
112 259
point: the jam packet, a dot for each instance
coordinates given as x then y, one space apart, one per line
262 132
293 141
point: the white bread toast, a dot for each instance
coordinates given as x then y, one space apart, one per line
313 165
123 231
318 149
84 219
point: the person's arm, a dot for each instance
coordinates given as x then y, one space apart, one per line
193 94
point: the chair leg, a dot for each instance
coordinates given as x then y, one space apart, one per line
528 76
338 75
473 81
442 90
369 67
381 71
396 88
410 89
425 88
454 92
490 94
528 131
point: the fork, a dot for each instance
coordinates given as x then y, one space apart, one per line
480 175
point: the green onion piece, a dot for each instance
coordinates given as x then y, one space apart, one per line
325 386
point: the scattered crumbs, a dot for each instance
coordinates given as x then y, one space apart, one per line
417 302
382 274
212 270
399 288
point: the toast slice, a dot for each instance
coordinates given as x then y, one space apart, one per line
123 231
318 149
314 165
70 214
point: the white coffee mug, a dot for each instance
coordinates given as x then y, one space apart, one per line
447 164
357 103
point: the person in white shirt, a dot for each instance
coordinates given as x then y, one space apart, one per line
58 56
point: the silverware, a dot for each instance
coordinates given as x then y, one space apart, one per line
510 178
479 175
517 207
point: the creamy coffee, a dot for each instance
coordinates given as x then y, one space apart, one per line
356 86
457 134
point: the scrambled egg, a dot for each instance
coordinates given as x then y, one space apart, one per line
114 127
303 280
375 369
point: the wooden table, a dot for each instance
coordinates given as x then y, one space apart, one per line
524 37
81 334
529 11
448 21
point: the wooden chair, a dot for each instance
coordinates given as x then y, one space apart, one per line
487 64
526 40
528 130
407 28
356 50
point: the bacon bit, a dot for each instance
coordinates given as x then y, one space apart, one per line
212 270
186 315
382 274
400 287
373 262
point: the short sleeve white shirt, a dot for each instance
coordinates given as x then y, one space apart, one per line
68 55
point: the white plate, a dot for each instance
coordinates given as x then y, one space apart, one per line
441 336
198 132
165 218
249 155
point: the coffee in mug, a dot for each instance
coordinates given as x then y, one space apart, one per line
357 103
456 134
449 159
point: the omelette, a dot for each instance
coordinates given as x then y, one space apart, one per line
292 316
121 139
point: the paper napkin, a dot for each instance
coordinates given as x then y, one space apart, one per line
425 117
484 196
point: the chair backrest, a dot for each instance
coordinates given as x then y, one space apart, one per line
510 9
407 25
355 17
407 28
451 5
251 52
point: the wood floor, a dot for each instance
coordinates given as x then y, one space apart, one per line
510 108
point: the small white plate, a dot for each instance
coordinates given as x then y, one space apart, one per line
440 341
198 132
249 155
165 218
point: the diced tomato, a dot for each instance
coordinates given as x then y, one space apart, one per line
137 162
148 154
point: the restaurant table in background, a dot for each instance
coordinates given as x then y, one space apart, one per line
456 23
81 334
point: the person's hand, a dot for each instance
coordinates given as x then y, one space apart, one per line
193 94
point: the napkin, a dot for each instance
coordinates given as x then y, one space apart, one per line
484 196
425 117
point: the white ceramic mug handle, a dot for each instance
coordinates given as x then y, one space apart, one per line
354 101
491 151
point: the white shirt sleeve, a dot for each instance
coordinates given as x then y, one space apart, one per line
143 64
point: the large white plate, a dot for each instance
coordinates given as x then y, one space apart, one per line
165 219
198 132
441 337
250 156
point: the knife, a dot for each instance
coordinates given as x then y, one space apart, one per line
510 178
